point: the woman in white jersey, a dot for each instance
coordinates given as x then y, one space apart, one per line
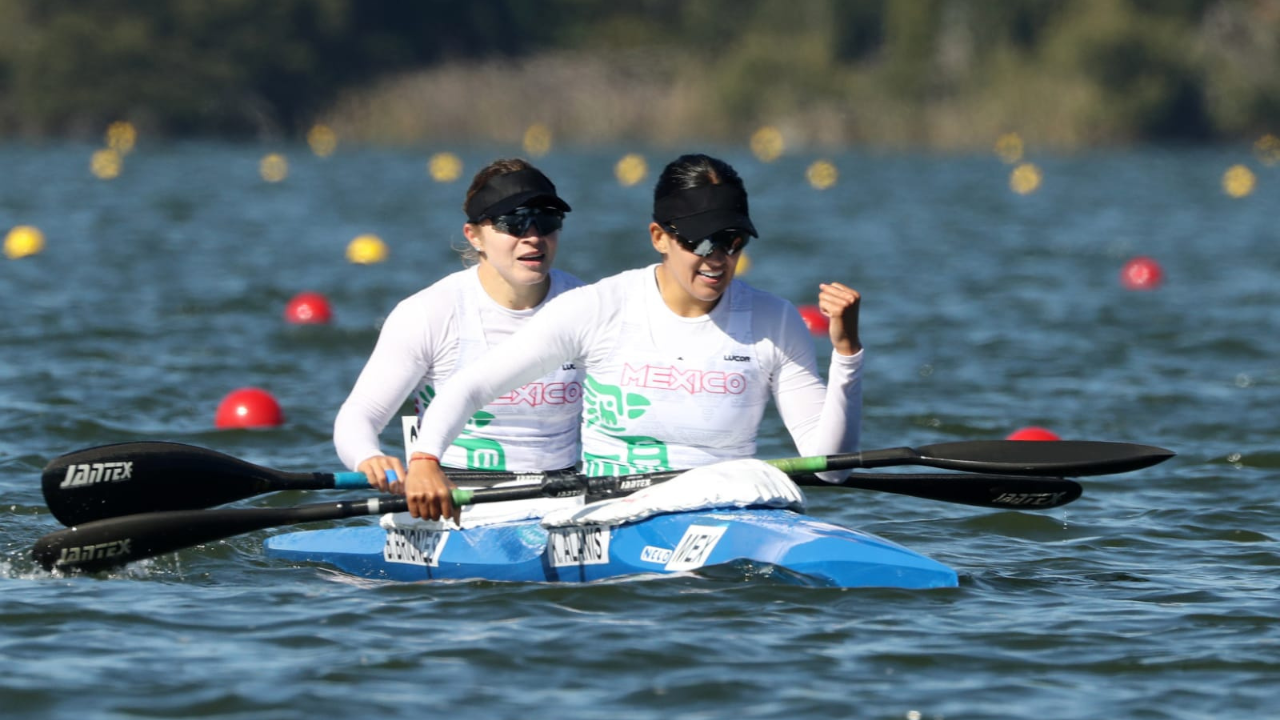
512 230
680 357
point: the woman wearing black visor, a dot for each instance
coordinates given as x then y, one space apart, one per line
512 232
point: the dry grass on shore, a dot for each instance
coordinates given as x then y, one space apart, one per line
591 102
658 99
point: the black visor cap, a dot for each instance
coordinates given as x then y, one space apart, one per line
504 193
701 212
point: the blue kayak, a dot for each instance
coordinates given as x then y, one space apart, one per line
524 551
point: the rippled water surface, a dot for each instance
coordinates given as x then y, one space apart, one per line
1156 595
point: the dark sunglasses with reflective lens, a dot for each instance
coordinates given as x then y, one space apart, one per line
731 241
516 223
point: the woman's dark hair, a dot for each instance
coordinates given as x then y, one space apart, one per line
690 171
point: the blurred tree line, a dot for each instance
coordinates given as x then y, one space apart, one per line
934 72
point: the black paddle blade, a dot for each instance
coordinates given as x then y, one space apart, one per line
134 477
1072 458
110 543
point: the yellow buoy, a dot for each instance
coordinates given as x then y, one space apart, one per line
767 143
1238 181
537 140
22 241
444 167
121 137
1025 179
631 169
822 174
744 264
323 140
106 164
1268 149
1009 148
366 250
273 168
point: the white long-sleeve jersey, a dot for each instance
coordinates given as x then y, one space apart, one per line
662 391
424 342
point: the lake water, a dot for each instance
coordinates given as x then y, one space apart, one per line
1156 595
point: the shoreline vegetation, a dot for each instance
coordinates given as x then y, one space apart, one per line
633 98
936 74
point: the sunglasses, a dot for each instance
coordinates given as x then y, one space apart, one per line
517 222
731 241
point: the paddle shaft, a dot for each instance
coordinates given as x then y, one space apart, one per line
130 478
1002 492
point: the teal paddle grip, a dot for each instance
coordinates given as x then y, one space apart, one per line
350 480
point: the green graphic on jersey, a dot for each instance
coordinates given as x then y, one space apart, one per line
644 454
608 407
482 453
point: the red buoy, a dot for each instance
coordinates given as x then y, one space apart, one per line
1033 433
814 319
248 408
308 308
1141 273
